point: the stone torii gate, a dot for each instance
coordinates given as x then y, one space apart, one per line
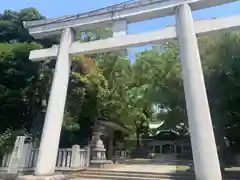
205 155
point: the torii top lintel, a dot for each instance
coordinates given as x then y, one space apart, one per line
131 12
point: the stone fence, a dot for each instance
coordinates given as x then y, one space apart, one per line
122 154
73 158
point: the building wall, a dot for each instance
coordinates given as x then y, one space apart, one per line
162 146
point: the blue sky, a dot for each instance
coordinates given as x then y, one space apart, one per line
54 8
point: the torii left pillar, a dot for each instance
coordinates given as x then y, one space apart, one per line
47 156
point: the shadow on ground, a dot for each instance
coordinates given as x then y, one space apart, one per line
228 174
170 163
184 168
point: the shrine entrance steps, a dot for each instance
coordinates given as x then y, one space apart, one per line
103 174
162 168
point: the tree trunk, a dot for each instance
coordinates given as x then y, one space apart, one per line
138 138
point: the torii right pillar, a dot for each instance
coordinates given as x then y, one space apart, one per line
206 163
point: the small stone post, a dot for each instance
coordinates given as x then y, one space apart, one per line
75 159
16 155
87 161
25 156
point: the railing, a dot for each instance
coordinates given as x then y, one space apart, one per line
67 159
64 158
32 161
5 161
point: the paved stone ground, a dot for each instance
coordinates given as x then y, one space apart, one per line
161 168
163 164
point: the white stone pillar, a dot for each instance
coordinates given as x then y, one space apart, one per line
205 155
53 121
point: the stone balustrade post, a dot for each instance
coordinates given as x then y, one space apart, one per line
25 156
15 157
87 160
75 159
